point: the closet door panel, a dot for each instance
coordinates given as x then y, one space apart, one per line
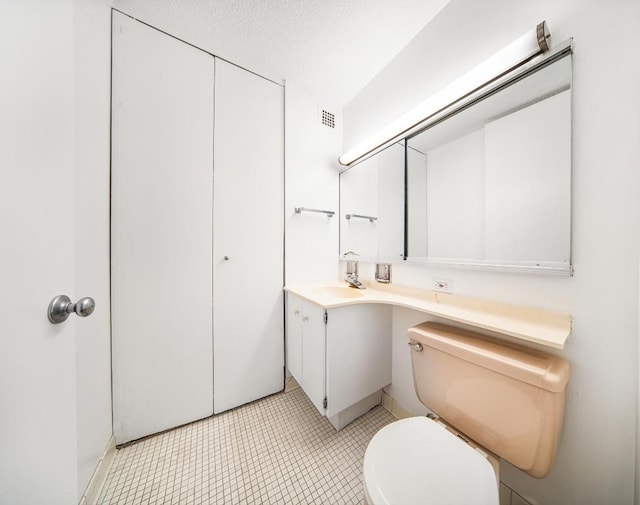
162 164
248 237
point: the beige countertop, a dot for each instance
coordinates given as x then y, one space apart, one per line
542 327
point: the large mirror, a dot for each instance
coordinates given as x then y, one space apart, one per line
372 206
488 185
491 185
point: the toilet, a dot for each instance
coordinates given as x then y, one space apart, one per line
491 399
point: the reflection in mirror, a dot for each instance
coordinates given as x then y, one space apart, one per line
372 206
491 185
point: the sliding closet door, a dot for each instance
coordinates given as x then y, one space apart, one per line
248 238
162 167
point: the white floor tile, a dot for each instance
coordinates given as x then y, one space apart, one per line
275 450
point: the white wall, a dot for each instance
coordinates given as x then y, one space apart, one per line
359 195
531 222
311 180
456 198
390 194
595 463
92 85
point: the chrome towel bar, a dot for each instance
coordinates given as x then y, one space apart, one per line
370 218
329 213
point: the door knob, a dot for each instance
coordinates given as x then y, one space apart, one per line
61 306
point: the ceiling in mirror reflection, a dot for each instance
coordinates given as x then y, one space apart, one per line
543 83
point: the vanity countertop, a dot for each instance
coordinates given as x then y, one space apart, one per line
550 329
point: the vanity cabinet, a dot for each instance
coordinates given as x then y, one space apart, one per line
306 347
358 354
339 356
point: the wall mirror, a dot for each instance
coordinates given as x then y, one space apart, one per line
488 185
372 206
491 184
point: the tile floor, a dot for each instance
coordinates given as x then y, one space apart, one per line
278 450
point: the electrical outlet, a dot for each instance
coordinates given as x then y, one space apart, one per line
443 285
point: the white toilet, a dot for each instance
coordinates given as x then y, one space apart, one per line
493 400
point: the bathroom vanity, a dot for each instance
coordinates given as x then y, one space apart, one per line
339 338
340 356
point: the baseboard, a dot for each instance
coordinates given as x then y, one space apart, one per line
92 493
392 405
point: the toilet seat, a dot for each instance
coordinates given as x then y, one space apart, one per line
417 461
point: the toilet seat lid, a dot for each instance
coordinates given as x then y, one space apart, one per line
417 461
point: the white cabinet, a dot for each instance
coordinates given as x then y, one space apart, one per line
358 354
306 347
248 322
339 356
161 226
294 336
197 233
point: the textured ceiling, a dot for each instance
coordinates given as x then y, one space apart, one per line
331 47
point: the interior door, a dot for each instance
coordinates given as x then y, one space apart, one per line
248 237
38 456
162 163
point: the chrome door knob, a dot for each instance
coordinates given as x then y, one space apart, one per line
61 306
85 306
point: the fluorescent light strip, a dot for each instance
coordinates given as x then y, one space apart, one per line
530 45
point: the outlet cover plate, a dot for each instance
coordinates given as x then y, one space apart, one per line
442 285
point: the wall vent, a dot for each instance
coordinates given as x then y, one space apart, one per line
328 119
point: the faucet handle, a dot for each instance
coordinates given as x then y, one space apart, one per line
353 282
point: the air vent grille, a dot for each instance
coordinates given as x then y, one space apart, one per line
328 119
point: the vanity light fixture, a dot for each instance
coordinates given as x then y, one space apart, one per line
519 52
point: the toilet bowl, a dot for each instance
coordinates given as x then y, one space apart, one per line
418 461
495 400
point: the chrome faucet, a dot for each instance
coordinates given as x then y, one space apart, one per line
354 282
352 274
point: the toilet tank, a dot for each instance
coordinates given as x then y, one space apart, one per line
506 398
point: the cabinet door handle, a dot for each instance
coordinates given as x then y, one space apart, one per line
305 319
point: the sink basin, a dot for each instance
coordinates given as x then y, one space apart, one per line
342 292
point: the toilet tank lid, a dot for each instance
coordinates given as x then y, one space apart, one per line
526 365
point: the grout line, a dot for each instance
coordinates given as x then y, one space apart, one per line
275 450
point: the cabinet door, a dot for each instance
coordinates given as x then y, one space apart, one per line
248 320
313 353
294 336
161 217
358 354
